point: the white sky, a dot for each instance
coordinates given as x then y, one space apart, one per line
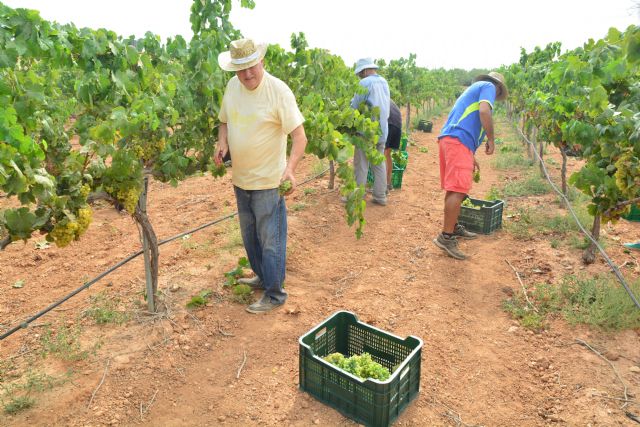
463 33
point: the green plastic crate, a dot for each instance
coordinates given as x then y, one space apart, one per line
425 125
404 139
396 178
634 214
369 402
485 220
396 173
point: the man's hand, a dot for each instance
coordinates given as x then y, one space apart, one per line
221 151
223 145
288 176
491 146
476 165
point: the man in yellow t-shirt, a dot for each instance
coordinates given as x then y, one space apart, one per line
258 111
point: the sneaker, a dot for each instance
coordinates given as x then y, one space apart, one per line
450 246
265 305
460 231
254 282
381 202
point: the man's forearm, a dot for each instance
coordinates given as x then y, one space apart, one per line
222 133
487 123
298 145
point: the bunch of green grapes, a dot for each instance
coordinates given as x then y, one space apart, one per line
84 191
467 203
399 160
63 233
627 179
126 197
67 230
148 149
217 170
476 175
84 216
362 366
285 187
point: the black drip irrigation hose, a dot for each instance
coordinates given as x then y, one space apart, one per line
41 313
614 268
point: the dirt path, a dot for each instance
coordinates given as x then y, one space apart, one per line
479 367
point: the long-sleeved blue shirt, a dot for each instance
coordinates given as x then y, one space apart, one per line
377 96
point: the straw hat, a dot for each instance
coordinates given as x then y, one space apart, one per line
496 78
364 64
242 54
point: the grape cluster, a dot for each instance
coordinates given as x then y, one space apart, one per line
148 149
627 172
469 204
362 366
126 197
65 231
85 215
218 170
84 191
285 187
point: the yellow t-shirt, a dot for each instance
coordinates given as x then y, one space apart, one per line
258 122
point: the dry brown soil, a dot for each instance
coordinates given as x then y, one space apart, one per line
185 368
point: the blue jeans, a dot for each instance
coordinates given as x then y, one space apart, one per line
263 224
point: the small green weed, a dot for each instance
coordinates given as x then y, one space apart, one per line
242 294
596 301
298 207
528 221
104 309
423 149
64 343
578 242
494 193
532 185
200 299
308 191
509 160
16 396
232 276
17 404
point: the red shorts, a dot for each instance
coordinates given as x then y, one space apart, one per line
456 165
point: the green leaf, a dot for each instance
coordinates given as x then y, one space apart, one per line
633 47
599 98
16 183
132 55
345 153
19 222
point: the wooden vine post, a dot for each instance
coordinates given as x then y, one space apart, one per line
149 246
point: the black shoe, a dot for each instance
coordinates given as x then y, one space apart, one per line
460 231
254 282
265 305
450 246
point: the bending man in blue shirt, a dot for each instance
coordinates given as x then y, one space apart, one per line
468 123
